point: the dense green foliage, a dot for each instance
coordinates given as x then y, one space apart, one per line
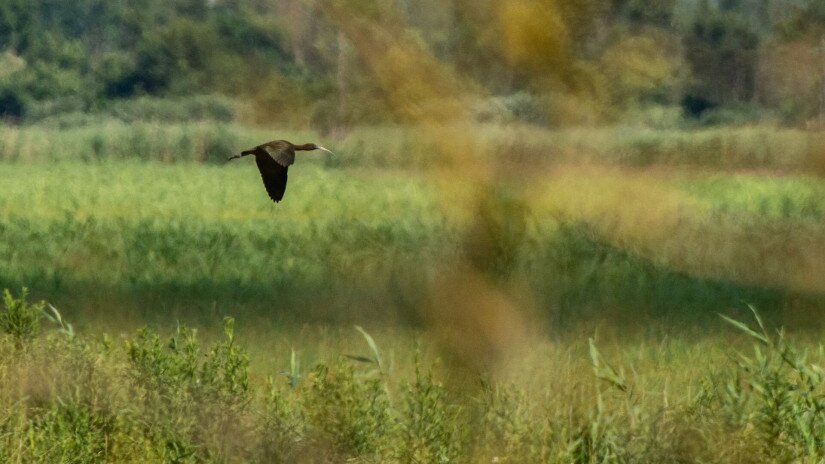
732 61
177 398
80 54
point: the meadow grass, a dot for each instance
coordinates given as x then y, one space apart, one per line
781 198
348 244
206 232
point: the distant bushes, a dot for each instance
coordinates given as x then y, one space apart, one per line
719 148
72 137
734 115
517 107
206 141
73 112
198 108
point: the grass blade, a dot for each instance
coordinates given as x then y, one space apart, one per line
604 371
744 328
372 345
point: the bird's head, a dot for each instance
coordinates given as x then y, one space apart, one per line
318 147
312 146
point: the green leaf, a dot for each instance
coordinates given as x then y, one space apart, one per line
744 328
372 345
604 371
294 370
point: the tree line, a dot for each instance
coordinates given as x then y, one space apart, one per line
548 61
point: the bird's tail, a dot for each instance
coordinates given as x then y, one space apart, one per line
243 153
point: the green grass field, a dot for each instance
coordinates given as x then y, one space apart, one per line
479 298
201 235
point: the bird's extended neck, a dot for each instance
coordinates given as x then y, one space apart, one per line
305 147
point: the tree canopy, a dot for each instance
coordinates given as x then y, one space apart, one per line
608 57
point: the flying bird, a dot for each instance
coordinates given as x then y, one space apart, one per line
273 160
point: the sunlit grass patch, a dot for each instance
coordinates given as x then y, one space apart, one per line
768 196
658 218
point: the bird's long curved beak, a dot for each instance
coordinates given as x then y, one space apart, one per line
322 148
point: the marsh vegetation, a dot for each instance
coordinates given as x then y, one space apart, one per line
537 213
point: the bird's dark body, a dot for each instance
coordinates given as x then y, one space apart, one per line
274 176
273 160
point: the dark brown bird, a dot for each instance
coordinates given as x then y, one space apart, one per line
273 160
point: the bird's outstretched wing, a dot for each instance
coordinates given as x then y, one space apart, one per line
274 176
281 151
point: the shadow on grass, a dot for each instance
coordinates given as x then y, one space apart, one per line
570 278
